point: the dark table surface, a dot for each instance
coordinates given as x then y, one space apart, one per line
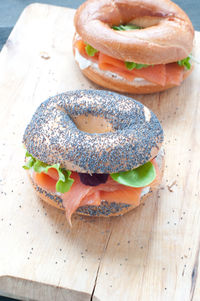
10 11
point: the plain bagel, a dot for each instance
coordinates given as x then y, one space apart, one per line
167 35
125 134
157 49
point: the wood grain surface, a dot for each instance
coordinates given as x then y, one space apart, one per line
151 253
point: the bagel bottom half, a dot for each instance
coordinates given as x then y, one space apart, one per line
105 209
110 81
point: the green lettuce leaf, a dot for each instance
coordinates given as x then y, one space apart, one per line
138 177
185 63
126 27
64 182
90 50
30 162
132 65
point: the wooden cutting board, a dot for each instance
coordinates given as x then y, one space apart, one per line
151 253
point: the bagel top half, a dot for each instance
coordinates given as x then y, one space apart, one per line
91 131
166 35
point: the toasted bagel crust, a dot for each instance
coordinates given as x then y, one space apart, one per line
167 36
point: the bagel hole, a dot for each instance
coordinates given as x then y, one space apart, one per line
92 124
146 21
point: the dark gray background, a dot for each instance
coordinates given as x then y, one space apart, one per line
10 11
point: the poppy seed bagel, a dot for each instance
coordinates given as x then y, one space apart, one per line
133 46
93 131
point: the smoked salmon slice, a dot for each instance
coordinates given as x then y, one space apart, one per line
108 60
81 195
80 45
174 74
155 74
53 173
73 198
108 63
45 181
92 199
158 74
128 195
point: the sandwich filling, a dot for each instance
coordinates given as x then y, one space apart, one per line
77 190
84 63
160 74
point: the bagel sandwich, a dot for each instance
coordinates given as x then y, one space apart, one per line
133 46
93 152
